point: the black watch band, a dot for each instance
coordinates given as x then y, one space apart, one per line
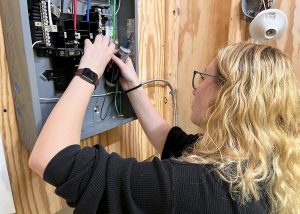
88 75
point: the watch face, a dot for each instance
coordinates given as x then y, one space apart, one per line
89 75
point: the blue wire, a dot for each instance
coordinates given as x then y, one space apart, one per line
88 11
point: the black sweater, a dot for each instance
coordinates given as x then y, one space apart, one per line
94 181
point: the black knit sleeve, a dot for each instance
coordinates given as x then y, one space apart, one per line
177 142
93 181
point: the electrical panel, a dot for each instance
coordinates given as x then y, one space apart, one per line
44 43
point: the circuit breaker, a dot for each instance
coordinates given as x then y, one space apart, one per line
44 43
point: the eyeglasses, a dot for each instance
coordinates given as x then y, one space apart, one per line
198 77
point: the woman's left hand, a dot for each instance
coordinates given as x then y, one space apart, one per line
97 55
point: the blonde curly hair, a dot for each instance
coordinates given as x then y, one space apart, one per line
252 135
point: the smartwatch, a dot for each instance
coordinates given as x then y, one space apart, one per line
88 75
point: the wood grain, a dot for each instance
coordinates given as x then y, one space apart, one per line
172 12
207 25
203 29
290 41
237 31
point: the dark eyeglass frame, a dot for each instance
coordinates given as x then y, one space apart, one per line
202 77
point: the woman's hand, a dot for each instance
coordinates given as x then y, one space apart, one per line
129 78
97 55
155 127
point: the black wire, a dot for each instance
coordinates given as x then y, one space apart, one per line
107 110
101 109
118 95
72 8
62 2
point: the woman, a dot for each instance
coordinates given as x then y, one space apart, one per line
247 106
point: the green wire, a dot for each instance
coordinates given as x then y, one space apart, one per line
115 100
116 103
114 20
114 38
120 102
116 107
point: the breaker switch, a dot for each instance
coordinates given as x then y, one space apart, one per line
61 81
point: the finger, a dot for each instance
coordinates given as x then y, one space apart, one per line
118 61
98 39
112 47
87 42
105 40
129 62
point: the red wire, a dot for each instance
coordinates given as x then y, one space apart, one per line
75 14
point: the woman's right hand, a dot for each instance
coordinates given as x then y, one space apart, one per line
129 78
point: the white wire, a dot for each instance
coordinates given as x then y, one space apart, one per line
118 7
49 12
263 1
54 100
172 92
36 43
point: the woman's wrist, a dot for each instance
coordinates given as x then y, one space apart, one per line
133 88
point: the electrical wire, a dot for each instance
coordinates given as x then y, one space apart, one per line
114 20
62 2
118 93
36 43
88 11
109 106
107 110
49 12
55 100
101 109
92 2
118 7
120 103
75 15
69 6
263 1
172 92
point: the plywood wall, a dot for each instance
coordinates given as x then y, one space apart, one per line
175 37
207 25
290 42
203 29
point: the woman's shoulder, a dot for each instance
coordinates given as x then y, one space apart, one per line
193 170
177 141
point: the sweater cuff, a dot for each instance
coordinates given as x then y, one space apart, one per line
57 170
